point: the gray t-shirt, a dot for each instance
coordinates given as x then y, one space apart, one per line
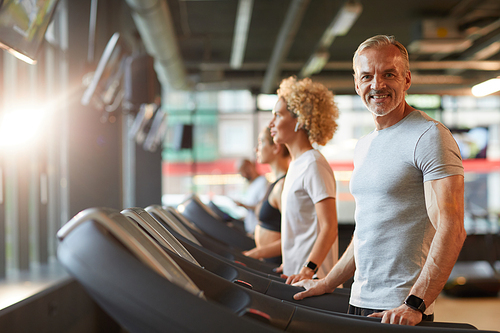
393 231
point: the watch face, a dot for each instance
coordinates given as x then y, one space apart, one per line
415 302
311 265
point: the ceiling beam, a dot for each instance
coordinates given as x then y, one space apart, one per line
479 65
483 50
286 36
424 84
155 25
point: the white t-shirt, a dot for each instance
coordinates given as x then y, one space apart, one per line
253 195
309 180
393 231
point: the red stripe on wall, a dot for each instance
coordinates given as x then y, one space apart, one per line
227 166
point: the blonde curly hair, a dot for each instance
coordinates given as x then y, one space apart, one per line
313 104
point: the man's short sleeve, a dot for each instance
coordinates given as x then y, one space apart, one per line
437 154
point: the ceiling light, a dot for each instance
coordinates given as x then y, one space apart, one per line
315 63
340 26
241 32
20 56
486 88
344 20
342 23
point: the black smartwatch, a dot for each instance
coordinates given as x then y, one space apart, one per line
312 266
416 303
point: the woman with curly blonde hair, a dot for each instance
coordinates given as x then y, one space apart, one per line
305 114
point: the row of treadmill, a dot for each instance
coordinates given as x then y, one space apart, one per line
159 270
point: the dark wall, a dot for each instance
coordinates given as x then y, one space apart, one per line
94 161
95 146
148 177
94 154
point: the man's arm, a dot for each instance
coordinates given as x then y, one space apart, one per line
444 199
340 273
326 211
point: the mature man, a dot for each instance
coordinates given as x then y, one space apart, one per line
409 190
257 186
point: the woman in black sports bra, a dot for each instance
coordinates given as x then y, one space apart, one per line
268 230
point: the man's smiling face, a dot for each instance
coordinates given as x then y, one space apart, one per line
381 79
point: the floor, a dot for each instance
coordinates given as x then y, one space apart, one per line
484 313
20 285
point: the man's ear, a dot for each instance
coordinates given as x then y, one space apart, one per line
356 87
408 81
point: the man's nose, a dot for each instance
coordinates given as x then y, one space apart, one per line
378 82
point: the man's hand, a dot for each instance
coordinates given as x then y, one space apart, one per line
402 315
313 288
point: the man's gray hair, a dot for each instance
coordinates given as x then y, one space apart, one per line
380 41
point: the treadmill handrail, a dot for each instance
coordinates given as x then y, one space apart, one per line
166 216
136 241
175 213
204 206
158 232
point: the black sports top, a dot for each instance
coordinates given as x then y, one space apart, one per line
270 217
